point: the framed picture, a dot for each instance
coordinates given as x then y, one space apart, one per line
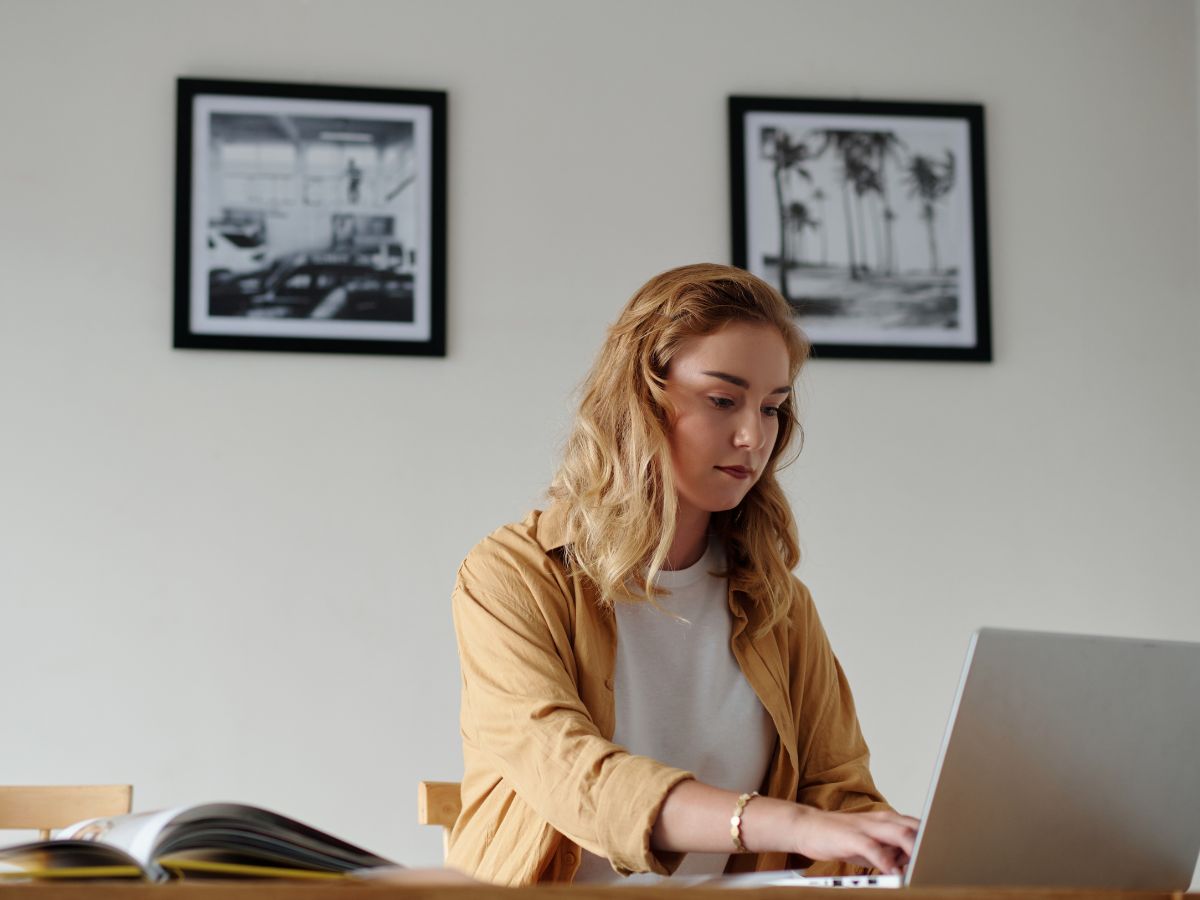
871 219
310 218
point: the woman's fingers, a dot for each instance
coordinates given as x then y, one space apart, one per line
885 816
889 840
880 840
879 856
896 834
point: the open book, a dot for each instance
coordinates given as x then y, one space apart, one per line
216 839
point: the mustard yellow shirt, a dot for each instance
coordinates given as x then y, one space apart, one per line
542 777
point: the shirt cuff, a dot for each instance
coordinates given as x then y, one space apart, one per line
629 805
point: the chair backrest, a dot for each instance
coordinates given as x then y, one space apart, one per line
439 803
45 808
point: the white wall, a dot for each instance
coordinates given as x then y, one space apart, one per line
226 575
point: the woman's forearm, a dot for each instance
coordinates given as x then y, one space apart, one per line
695 818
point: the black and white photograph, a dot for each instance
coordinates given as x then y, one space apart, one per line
870 217
310 218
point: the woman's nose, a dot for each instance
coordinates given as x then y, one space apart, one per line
750 433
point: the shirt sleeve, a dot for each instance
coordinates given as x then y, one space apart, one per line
522 707
834 759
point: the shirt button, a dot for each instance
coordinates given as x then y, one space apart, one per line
569 858
608 683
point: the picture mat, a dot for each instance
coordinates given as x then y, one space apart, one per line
204 106
929 135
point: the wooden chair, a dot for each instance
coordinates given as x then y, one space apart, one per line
439 803
45 808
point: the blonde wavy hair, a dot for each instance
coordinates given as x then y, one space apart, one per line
616 479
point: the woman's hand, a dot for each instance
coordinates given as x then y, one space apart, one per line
882 840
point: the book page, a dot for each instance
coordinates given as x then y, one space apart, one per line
136 834
238 833
229 835
66 859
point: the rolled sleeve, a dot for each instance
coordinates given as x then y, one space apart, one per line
626 821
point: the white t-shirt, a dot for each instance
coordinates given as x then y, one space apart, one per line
682 699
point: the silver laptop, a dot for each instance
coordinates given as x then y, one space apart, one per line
1069 760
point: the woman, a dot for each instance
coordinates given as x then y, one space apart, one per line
638 660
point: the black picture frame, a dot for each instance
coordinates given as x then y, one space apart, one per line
310 218
841 195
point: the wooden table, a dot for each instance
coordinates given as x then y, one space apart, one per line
296 890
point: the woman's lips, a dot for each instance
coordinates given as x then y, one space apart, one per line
736 471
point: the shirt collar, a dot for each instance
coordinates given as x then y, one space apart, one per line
552 527
552 535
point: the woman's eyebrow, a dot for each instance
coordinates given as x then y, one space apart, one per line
743 383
